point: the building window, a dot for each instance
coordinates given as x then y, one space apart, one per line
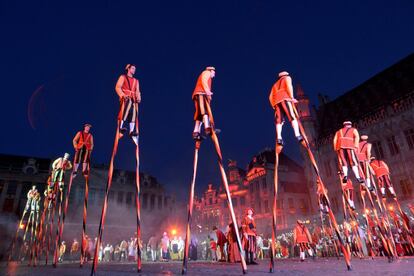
264 184
165 202
279 204
128 198
12 188
258 186
279 220
328 169
159 202
144 201
210 201
152 202
259 207
251 187
111 195
266 206
290 203
120 196
378 150
224 204
234 201
405 187
91 196
242 201
1 186
409 136
303 206
392 145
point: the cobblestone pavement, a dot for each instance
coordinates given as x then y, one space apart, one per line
331 266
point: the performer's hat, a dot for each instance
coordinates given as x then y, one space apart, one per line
283 73
129 65
66 156
347 123
373 158
364 137
211 68
299 221
87 125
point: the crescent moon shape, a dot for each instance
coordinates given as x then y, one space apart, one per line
30 107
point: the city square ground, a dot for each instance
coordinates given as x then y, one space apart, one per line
331 266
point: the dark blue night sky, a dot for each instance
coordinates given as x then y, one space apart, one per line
60 61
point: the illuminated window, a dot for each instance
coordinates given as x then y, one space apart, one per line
409 136
392 145
378 150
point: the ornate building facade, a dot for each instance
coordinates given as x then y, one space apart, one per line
383 108
254 188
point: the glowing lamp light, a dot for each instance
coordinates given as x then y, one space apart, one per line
391 208
366 211
174 232
21 226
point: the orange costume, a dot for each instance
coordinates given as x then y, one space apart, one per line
127 88
202 97
83 144
364 157
282 100
303 238
249 236
345 143
382 172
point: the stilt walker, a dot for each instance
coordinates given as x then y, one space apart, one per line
59 168
282 100
203 115
35 208
127 88
49 205
31 195
83 144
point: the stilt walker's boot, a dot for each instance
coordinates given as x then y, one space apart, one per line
252 259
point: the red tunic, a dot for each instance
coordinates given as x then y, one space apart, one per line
249 226
85 139
345 138
199 88
302 234
129 87
280 91
380 168
221 238
363 151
